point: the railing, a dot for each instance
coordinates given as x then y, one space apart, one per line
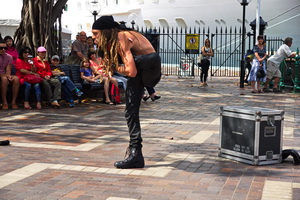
226 43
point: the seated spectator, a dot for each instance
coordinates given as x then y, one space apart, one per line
44 70
87 74
121 79
6 77
98 68
79 50
11 50
67 85
24 66
90 42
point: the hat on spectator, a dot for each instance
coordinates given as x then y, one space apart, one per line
105 22
41 49
55 57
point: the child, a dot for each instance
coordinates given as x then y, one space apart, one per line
87 74
66 83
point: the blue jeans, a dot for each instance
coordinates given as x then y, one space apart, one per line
67 87
37 91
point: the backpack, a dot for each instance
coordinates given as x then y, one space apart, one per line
115 94
291 152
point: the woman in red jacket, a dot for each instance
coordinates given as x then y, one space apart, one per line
25 66
43 69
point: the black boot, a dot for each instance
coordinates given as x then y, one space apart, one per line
4 142
135 159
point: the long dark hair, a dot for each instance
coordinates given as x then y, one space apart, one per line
22 50
261 37
10 38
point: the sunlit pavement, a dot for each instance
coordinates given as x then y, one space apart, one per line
69 153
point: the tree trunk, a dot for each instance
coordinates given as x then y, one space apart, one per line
37 27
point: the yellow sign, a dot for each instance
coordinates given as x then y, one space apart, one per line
192 43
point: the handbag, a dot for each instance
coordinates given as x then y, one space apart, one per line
32 79
199 59
260 73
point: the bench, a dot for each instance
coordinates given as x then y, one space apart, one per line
94 90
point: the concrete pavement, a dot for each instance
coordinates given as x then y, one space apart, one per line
69 153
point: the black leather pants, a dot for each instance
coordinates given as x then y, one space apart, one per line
149 72
134 92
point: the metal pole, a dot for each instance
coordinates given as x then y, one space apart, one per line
242 73
257 20
132 24
95 13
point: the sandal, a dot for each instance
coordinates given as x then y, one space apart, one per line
38 106
254 91
109 103
260 91
5 106
27 106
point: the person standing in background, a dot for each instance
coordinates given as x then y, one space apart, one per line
259 63
207 53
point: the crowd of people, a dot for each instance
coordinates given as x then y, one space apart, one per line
48 80
261 68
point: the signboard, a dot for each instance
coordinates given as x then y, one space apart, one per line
192 43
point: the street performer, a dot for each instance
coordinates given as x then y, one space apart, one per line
129 53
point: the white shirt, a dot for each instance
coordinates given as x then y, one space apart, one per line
283 52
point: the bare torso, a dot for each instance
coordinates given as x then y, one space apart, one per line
136 42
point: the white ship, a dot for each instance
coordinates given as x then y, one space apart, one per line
283 17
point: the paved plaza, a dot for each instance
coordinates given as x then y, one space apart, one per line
68 153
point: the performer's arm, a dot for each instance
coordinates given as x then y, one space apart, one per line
129 67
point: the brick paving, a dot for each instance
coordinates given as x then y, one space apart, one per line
69 153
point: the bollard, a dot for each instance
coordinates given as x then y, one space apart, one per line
297 58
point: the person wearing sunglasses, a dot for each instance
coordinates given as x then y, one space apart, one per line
25 67
6 77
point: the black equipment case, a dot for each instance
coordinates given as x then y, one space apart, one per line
251 135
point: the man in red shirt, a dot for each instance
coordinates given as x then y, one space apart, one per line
7 78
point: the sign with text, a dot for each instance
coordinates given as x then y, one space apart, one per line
192 43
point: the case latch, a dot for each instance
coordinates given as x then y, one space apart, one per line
271 120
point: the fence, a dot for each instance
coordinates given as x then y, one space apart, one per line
226 43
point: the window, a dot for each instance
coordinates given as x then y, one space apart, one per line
79 6
87 4
140 1
88 26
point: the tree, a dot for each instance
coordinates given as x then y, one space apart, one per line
38 26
